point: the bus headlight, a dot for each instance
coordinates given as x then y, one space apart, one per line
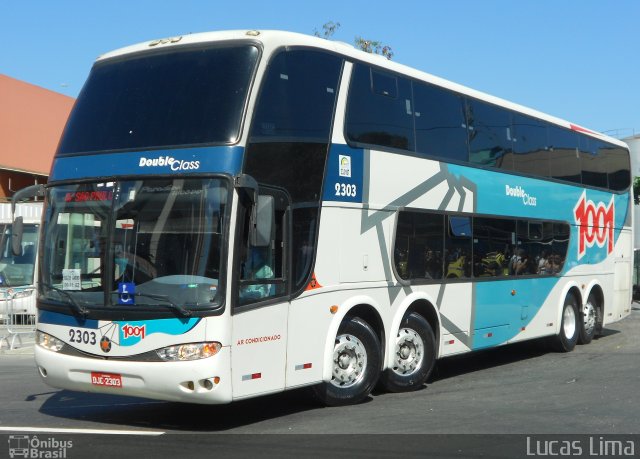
49 342
191 351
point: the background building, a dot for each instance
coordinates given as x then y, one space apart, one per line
31 121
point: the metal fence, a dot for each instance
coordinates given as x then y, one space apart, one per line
16 320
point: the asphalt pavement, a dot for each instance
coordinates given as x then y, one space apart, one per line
494 403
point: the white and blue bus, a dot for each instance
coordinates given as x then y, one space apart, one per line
234 214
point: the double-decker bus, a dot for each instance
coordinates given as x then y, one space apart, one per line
234 214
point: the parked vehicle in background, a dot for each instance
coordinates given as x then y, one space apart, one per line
18 271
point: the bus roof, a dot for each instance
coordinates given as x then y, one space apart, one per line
273 39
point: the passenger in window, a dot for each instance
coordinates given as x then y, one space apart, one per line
523 265
401 263
256 267
434 265
542 262
519 264
554 264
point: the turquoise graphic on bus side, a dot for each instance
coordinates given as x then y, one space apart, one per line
132 332
503 308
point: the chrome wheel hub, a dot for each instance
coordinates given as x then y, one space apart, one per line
409 352
349 361
589 318
569 322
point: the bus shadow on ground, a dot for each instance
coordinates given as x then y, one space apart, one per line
152 414
498 356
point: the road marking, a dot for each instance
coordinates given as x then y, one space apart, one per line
80 431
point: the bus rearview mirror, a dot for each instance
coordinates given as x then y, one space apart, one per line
16 237
262 221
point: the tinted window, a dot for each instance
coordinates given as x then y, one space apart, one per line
379 109
440 123
593 162
419 244
493 241
290 133
486 247
457 248
618 169
533 245
530 146
303 239
292 126
297 97
559 248
174 98
564 161
489 135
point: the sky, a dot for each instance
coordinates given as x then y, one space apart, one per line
574 59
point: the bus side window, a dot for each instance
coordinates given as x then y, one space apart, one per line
379 109
440 123
457 246
531 146
263 264
490 138
564 161
594 162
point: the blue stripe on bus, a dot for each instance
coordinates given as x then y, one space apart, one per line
516 196
503 307
180 161
512 195
55 318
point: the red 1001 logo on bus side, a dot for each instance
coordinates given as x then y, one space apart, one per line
596 224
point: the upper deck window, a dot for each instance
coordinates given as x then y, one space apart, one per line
181 97
379 109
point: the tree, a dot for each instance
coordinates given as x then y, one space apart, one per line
328 29
368 46
636 190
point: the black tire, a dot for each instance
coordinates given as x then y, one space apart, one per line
414 356
566 340
355 367
589 318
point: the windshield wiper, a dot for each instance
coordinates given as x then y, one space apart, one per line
81 310
182 311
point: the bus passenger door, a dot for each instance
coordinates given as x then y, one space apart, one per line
260 300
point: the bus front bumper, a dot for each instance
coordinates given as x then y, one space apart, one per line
205 381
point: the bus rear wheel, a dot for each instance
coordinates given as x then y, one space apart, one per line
589 320
566 340
355 364
413 357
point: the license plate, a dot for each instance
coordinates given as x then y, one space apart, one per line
106 379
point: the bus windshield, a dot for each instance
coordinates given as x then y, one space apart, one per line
151 242
164 99
17 270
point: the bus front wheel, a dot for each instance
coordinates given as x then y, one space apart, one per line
356 363
413 356
566 340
